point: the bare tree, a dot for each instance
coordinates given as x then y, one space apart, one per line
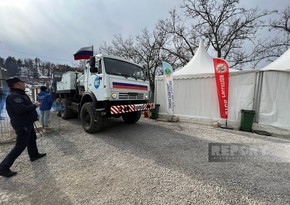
229 29
281 26
283 22
180 40
144 49
120 47
82 64
278 40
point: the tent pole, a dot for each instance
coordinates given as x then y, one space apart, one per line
226 126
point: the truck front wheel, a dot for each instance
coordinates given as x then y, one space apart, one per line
92 121
131 117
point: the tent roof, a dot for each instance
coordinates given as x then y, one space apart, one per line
201 63
280 64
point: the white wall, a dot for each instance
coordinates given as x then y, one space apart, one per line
275 100
196 96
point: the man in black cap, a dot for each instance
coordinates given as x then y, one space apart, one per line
22 113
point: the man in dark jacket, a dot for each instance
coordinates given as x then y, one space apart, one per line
46 102
22 113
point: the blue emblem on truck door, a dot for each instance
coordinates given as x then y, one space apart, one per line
97 82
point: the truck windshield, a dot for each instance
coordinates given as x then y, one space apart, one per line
118 67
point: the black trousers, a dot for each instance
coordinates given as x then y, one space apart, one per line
25 137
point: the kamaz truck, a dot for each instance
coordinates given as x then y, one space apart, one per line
108 87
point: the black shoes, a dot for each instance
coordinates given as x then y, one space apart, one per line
37 157
7 173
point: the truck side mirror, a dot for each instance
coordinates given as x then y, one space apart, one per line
93 68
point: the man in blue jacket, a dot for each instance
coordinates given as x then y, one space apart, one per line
46 102
22 113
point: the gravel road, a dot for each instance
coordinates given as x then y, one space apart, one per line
151 162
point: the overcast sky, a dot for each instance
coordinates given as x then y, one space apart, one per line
53 30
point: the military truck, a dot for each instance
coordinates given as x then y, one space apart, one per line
108 87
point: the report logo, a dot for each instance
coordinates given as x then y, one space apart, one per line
231 152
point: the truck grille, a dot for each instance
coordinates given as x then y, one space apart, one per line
130 96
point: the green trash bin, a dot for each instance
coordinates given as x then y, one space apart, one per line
247 120
154 112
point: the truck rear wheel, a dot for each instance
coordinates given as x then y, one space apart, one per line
131 117
66 113
92 121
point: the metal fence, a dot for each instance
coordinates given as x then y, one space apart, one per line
7 133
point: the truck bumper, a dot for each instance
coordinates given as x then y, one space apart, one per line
119 109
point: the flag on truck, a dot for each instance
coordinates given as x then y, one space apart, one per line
84 53
167 70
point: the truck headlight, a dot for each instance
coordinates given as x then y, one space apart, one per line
114 95
146 97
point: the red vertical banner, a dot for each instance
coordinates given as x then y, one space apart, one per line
221 69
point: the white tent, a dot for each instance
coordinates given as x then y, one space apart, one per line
274 110
195 94
201 63
280 64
